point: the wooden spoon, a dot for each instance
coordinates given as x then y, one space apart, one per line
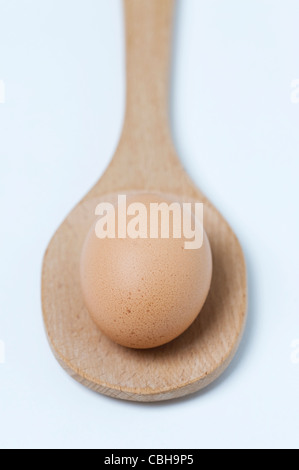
145 160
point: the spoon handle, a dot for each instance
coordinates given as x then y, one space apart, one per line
148 39
145 158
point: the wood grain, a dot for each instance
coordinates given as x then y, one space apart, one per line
145 160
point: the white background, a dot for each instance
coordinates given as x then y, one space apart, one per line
236 130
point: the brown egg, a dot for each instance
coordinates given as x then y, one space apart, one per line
144 292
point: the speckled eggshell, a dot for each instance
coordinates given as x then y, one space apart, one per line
143 293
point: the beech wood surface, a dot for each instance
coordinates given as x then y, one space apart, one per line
145 160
